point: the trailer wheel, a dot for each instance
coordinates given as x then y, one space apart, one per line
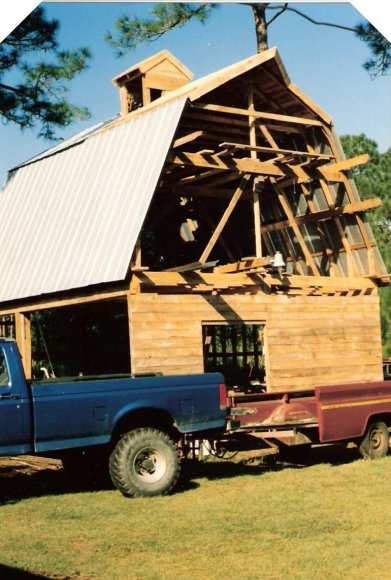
145 462
375 443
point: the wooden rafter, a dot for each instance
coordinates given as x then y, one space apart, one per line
187 139
202 281
253 146
314 216
352 266
243 265
322 236
258 114
291 218
245 165
275 149
231 206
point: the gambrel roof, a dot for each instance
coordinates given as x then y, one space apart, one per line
244 137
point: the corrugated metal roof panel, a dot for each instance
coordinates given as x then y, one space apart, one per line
71 220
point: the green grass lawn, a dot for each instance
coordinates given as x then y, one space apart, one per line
325 520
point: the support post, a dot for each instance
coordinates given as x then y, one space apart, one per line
23 340
256 205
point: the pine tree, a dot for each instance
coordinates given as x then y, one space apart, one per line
374 180
131 32
33 91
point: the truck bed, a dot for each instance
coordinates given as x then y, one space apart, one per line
336 412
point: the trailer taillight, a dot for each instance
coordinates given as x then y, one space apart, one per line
223 396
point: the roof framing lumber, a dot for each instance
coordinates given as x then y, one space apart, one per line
333 171
275 149
291 218
187 138
245 165
258 114
203 281
220 226
350 208
57 302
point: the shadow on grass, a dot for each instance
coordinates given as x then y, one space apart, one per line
9 573
17 484
293 458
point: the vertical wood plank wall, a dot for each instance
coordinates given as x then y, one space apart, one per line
310 340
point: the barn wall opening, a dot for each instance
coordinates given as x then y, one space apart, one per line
87 339
236 350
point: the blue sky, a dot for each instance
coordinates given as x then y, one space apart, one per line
325 63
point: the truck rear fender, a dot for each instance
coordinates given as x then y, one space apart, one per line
380 418
144 417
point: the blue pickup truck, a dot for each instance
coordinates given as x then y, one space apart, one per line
141 426
137 421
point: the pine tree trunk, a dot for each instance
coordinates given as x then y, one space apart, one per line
259 11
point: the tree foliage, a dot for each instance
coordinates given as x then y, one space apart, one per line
33 90
130 32
374 180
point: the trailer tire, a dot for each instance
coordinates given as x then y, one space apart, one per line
375 443
145 462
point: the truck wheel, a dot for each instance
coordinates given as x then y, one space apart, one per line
145 462
375 443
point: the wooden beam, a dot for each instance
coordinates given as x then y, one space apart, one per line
245 264
245 165
253 144
350 208
23 340
231 206
56 302
187 138
258 114
352 266
242 279
333 269
274 150
333 171
287 209
206 215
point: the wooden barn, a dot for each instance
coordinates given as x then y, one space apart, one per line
213 225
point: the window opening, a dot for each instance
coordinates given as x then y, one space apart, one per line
236 350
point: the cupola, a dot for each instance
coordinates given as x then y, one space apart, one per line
148 80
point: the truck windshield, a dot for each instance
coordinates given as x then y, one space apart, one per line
4 378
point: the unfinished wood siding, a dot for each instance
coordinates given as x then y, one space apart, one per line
309 340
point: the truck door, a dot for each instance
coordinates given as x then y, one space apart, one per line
14 410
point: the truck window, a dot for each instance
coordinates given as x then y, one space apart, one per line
4 378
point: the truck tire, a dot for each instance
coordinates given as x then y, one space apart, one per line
375 443
145 462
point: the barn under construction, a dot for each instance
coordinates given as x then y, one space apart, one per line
212 225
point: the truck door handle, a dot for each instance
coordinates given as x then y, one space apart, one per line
9 396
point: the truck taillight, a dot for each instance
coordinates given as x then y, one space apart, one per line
223 395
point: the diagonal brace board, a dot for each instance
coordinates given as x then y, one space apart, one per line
231 206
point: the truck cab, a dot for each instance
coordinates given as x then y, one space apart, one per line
15 412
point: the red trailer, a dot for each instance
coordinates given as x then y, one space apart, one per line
358 413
